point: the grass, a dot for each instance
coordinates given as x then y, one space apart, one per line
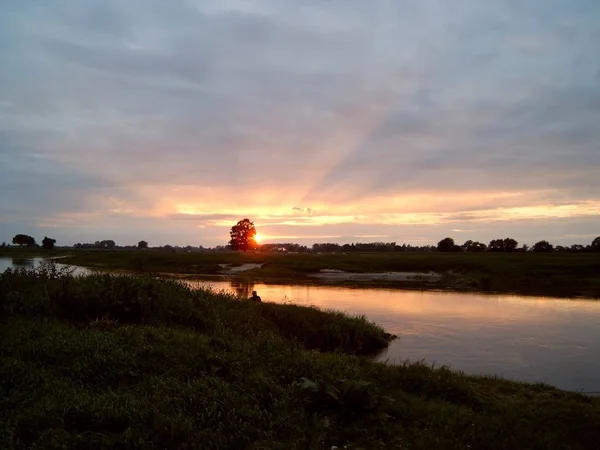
49 292
125 362
32 252
553 274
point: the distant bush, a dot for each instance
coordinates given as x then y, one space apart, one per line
503 245
447 245
48 243
542 246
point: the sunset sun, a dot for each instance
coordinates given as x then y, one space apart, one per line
257 238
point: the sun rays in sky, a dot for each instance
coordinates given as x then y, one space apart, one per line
319 121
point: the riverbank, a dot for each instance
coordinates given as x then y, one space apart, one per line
546 274
133 362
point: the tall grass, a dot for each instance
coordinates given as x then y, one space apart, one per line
104 361
49 292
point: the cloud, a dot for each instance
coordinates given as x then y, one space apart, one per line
303 211
299 114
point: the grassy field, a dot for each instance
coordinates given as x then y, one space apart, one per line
31 252
554 274
126 362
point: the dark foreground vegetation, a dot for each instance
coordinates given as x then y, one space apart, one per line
110 361
552 274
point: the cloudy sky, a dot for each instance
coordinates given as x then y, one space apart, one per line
321 120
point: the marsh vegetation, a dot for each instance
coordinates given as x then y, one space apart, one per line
107 361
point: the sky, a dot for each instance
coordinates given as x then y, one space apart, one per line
320 120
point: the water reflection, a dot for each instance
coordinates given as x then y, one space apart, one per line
20 262
241 288
26 262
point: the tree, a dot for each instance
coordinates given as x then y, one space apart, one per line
243 236
142 244
471 246
108 244
595 247
48 243
495 245
542 246
510 245
446 245
23 240
503 245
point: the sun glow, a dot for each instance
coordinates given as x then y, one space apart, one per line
257 238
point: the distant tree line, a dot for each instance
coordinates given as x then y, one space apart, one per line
445 245
511 245
177 248
105 245
284 247
141 245
378 247
244 231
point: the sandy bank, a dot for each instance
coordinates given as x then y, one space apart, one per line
229 270
338 275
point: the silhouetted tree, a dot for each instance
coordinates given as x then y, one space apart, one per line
107 245
496 245
595 246
503 245
23 240
48 243
510 245
447 245
542 246
471 246
142 244
3 245
243 236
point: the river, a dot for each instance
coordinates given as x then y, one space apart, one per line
533 339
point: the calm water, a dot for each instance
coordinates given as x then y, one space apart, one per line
30 263
524 338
